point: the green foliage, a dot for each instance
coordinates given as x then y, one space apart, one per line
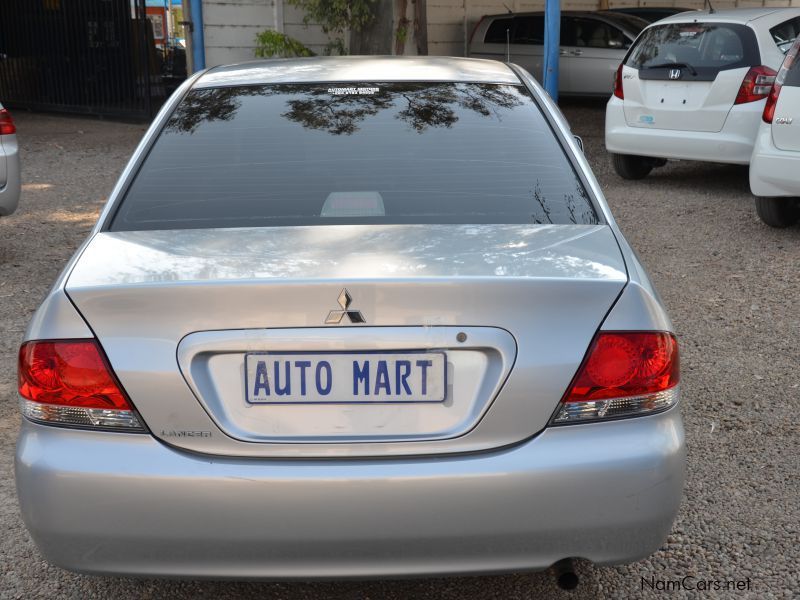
274 44
337 16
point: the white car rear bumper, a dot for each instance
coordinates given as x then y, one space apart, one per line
733 144
773 172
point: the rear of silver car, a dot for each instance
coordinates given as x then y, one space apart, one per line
9 164
380 385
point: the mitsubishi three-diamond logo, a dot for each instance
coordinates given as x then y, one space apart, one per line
335 316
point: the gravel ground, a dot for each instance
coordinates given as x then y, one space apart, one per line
729 282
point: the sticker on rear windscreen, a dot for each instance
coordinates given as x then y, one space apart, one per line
353 91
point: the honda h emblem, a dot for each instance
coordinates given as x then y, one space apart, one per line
674 73
335 316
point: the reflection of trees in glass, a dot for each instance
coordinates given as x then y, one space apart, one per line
662 43
212 104
314 107
578 205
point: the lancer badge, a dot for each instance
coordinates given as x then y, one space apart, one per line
674 73
335 316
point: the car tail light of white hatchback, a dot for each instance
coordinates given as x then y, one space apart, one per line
351 317
693 87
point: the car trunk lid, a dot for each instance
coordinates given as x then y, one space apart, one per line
511 310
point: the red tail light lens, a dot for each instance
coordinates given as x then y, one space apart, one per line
70 382
624 374
757 85
772 101
7 126
618 91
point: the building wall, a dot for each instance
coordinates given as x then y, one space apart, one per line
230 28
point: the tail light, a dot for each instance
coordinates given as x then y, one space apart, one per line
69 382
772 99
624 374
618 91
757 85
7 126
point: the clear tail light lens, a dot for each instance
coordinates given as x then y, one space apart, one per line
7 126
624 374
618 91
69 382
757 85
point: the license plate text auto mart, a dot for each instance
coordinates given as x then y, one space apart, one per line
305 378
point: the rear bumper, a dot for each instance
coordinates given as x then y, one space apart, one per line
127 504
773 172
733 144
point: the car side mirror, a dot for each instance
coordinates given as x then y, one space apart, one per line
579 141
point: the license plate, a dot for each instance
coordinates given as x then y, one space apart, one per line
345 378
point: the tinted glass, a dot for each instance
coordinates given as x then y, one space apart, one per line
632 23
786 33
326 154
497 32
529 30
708 47
792 66
590 33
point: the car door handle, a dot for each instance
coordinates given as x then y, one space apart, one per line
577 52
563 53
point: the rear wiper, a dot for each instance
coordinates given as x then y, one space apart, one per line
676 65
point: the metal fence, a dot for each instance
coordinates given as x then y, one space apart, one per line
81 56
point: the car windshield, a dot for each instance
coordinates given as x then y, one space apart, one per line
704 46
374 153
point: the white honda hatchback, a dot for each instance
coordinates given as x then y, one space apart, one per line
775 165
694 86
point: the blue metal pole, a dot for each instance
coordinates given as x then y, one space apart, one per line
552 44
198 41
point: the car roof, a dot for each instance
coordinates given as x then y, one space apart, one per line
319 69
732 15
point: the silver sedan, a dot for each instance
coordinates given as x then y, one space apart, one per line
9 164
351 317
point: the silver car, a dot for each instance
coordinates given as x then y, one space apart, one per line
9 164
592 45
351 317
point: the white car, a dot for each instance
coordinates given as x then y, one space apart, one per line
694 86
775 164
9 164
592 46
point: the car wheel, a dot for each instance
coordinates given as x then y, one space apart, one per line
632 167
778 212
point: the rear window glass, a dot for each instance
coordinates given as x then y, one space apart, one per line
706 47
529 30
496 34
786 33
792 66
326 154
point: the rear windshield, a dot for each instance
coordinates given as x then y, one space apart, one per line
792 66
324 154
786 33
706 47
